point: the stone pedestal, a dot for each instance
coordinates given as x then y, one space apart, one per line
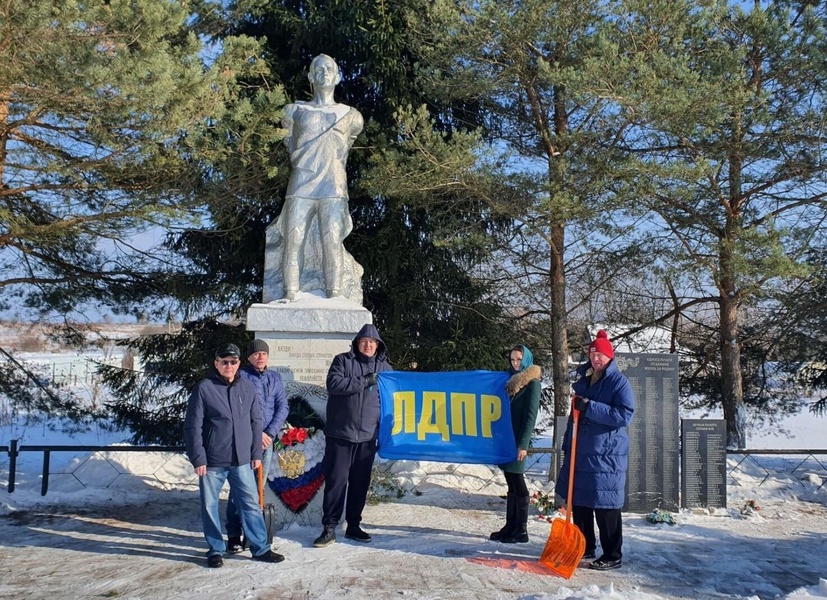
304 335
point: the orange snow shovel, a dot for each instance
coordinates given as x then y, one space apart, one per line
566 545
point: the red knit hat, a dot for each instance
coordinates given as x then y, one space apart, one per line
602 344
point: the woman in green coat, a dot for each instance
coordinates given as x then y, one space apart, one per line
524 390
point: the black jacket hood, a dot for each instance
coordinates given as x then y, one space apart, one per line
369 330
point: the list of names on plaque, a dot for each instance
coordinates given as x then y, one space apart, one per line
703 463
303 360
560 424
652 478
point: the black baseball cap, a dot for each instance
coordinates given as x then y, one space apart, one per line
226 350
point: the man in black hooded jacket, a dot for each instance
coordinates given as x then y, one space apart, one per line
351 429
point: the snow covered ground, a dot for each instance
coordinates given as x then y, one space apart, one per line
137 535
141 538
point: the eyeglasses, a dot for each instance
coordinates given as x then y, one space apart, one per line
225 363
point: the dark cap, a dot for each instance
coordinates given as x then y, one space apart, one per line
257 346
225 350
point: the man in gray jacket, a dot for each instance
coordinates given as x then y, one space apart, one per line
350 430
222 432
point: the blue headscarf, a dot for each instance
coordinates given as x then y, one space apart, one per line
528 359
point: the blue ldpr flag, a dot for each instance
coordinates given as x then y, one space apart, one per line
455 416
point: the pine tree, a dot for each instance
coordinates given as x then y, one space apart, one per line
732 115
545 159
109 118
96 100
423 299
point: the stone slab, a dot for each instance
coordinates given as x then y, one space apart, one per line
304 357
309 313
304 335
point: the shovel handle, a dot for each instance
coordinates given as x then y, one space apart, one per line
576 416
260 473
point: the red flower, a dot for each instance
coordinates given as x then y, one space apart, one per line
293 436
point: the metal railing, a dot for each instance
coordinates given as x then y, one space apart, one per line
749 455
14 450
552 460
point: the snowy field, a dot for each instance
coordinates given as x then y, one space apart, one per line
138 536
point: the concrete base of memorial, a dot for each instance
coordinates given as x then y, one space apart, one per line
305 334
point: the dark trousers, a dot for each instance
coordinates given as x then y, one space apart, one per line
608 522
347 469
516 484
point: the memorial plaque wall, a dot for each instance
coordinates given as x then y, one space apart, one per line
652 480
560 424
703 463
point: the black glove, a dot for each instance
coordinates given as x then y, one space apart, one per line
370 380
581 403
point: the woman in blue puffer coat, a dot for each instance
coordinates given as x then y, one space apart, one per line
606 403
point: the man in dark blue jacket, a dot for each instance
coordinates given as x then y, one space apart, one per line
222 432
272 398
351 429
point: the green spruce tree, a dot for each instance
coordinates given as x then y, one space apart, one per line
432 312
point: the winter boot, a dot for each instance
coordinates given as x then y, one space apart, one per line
214 561
354 532
269 556
327 537
511 506
234 544
519 534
